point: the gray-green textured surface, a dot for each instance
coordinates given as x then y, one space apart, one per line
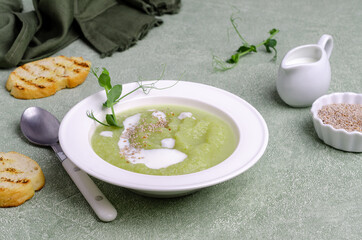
300 188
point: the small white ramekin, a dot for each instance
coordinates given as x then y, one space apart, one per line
337 138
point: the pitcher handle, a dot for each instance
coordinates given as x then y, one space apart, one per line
326 42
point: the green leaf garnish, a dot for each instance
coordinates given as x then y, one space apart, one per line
111 120
253 48
273 31
114 93
104 80
245 48
234 58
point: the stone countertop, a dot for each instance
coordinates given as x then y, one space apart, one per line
299 189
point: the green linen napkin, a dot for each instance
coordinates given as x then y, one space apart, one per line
107 25
114 27
156 7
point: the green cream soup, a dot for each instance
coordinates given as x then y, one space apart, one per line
165 140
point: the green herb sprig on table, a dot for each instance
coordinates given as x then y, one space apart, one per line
114 93
246 48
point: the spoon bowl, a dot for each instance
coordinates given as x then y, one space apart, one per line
39 126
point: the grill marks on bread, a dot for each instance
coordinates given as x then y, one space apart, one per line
20 177
45 77
24 180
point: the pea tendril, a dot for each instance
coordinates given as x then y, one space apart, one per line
246 48
114 93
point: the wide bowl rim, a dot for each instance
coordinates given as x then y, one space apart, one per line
196 180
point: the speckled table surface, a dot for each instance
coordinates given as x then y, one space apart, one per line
299 189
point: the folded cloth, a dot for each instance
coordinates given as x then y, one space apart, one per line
156 7
115 27
107 25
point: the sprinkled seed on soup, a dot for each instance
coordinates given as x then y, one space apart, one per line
166 140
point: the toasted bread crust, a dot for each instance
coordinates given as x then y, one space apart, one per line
20 177
45 77
17 195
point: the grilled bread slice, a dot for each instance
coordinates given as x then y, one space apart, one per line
45 77
20 177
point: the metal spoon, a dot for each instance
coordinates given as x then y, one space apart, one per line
41 127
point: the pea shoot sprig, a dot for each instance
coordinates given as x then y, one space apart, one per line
114 93
246 48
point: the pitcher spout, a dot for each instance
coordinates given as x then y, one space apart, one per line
300 56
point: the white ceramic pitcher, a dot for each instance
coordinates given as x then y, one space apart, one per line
305 73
